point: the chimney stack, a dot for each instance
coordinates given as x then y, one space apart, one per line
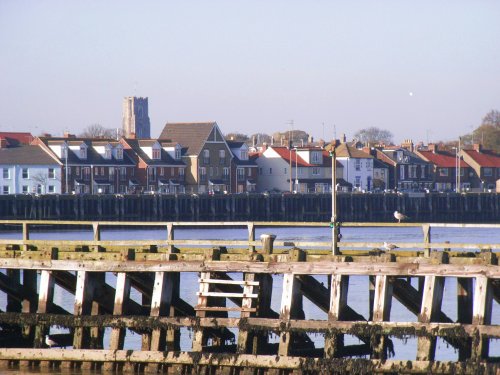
478 147
432 147
3 143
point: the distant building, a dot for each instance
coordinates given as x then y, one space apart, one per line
136 118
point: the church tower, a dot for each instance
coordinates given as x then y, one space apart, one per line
136 118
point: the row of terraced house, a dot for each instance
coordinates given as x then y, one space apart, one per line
196 158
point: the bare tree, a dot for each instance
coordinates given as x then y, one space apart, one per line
97 131
237 137
374 135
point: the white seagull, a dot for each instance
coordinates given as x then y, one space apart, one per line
399 216
49 342
390 246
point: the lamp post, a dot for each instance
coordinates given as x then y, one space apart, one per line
66 169
333 220
296 172
456 169
459 170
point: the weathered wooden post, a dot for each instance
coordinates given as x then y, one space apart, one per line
339 286
117 337
381 312
426 228
464 311
251 236
432 299
170 236
267 242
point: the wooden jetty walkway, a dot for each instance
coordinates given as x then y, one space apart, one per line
232 327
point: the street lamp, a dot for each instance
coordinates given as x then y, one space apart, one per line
296 176
333 220
457 189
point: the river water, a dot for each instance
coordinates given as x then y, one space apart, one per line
358 286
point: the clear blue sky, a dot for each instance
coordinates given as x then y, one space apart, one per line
426 70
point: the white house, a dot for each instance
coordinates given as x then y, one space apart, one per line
358 166
28 169
308 168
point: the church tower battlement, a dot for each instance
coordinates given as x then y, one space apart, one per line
136 117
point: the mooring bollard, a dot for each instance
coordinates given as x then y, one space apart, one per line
267 242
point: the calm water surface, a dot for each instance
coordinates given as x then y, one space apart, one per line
358 286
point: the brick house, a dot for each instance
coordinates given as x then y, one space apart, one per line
486 165
445 165
243 167
159 165
206 155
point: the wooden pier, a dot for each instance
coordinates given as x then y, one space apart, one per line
224 320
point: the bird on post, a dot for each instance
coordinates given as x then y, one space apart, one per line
49 342
390 246
399 216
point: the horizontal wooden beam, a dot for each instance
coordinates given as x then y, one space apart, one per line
456 330
301 268
246 360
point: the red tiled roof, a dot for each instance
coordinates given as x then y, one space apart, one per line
285 153
485 158
442 159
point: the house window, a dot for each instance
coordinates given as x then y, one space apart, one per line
357 164
225 173
402 172
316 157
25 173
357 182
5 190
25 189
156 154
240 174
368 165
162 171
102 171
203 174
222 157
6 173
52 173
86 173
412 171
119 153
111 172
270 171
315 171
123 173
107 153
443 172
422 169
243 154
77 170
206 156
181 172
51 189
488 172
83 152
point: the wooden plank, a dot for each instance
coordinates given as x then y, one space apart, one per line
324 267
221 308
249 360
482 310
431 306
226 295
224 281
382 303
465 304
199 334
338 302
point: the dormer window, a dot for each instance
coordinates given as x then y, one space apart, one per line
83 152
316 157
177 153
119 153
156 153
243 154
107 153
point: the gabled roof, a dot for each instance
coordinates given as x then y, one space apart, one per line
26 155
347 151
442 159
235 144
485 158
409 157
165 158
192 135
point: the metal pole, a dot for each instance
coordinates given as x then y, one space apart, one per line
66 178
333 223
296 177
291 181
459 188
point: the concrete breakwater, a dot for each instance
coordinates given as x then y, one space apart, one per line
352 207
